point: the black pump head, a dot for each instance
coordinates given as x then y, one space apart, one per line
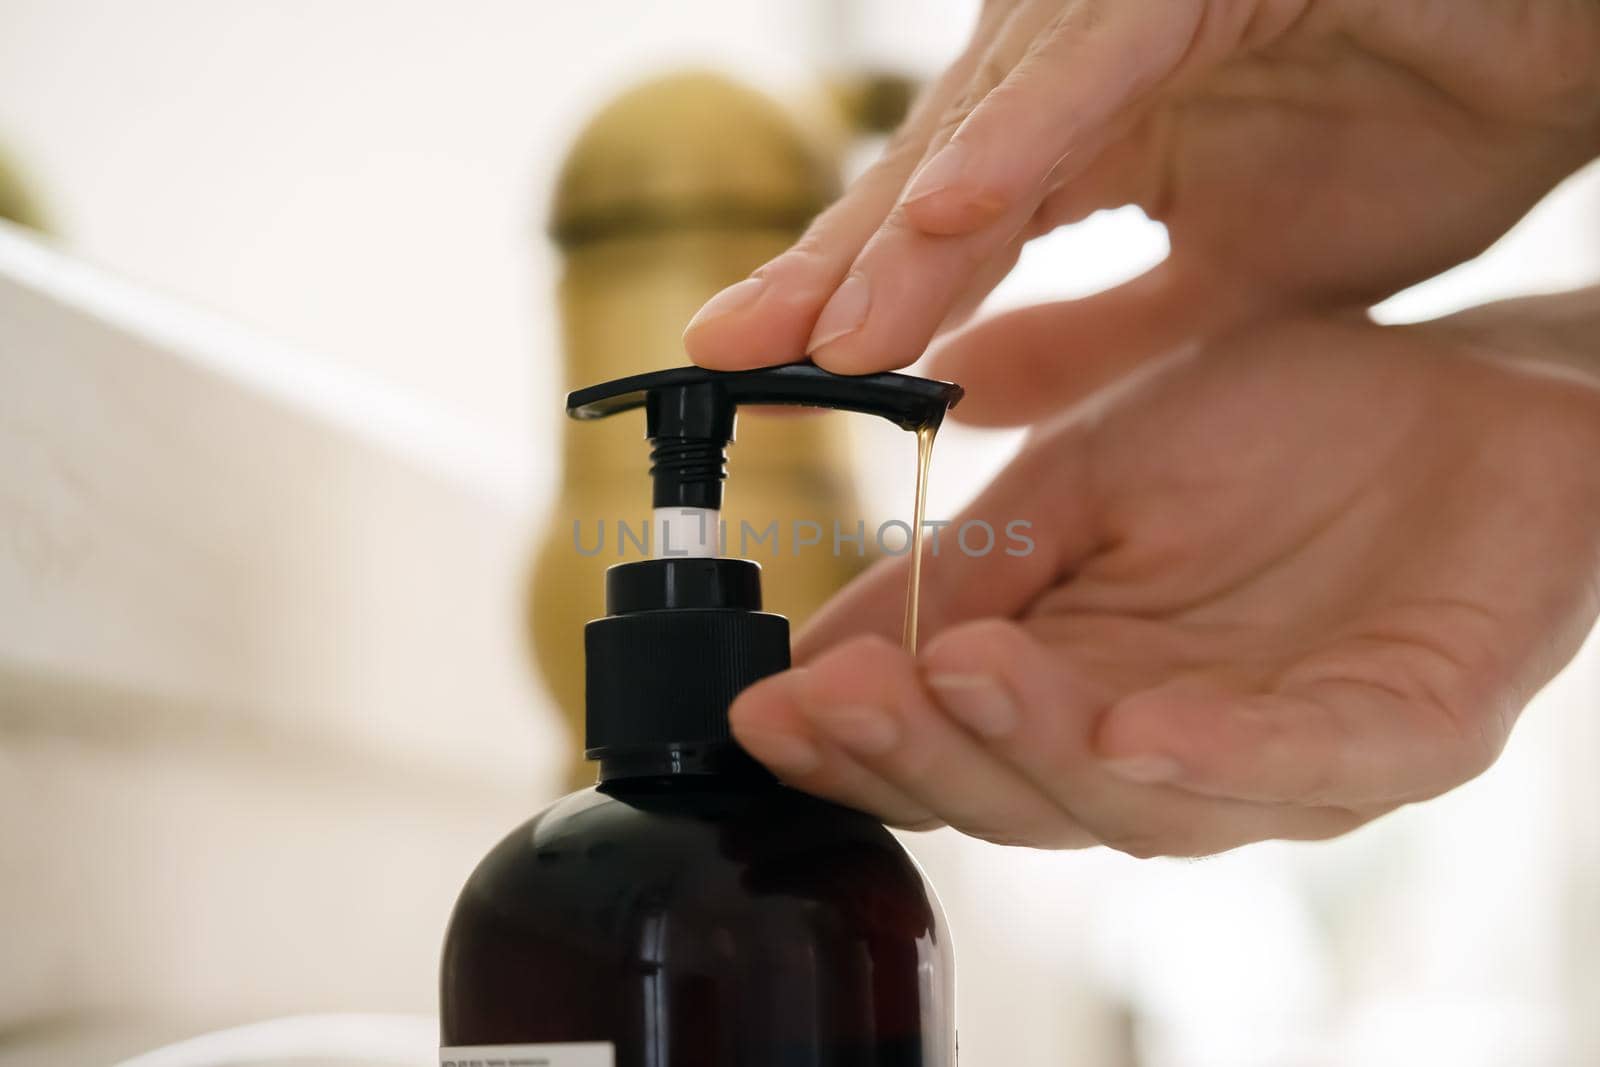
689 413
683 636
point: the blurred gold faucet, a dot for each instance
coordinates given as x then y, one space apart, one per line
17 204
674 190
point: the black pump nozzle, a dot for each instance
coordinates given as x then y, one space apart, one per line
689 413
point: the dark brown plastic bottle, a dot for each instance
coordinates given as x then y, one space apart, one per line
690 910
693 914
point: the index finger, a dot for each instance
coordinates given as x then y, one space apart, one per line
767 318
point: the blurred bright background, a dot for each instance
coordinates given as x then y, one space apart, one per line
339 206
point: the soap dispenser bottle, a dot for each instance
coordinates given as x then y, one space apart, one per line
689 910
673 191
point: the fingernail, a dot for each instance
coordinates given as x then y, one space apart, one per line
735 297
784 754
844 312
1146 770
938 174
978 702
862 729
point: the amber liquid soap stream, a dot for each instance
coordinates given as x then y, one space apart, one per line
914 585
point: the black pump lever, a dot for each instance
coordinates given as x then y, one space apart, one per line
689 413
909 402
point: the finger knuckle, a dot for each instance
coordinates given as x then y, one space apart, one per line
993 68
1153 835
1482 742
981 643
874 648
1056 829
1009 836
866 650
1140 844
960 256
1280 749
960 109
818 244
919 764
904 147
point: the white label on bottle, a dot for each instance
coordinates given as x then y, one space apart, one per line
585 1054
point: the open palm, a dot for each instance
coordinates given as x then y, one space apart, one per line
1281 585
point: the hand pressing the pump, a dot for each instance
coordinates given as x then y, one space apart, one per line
1303 154
1283 582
